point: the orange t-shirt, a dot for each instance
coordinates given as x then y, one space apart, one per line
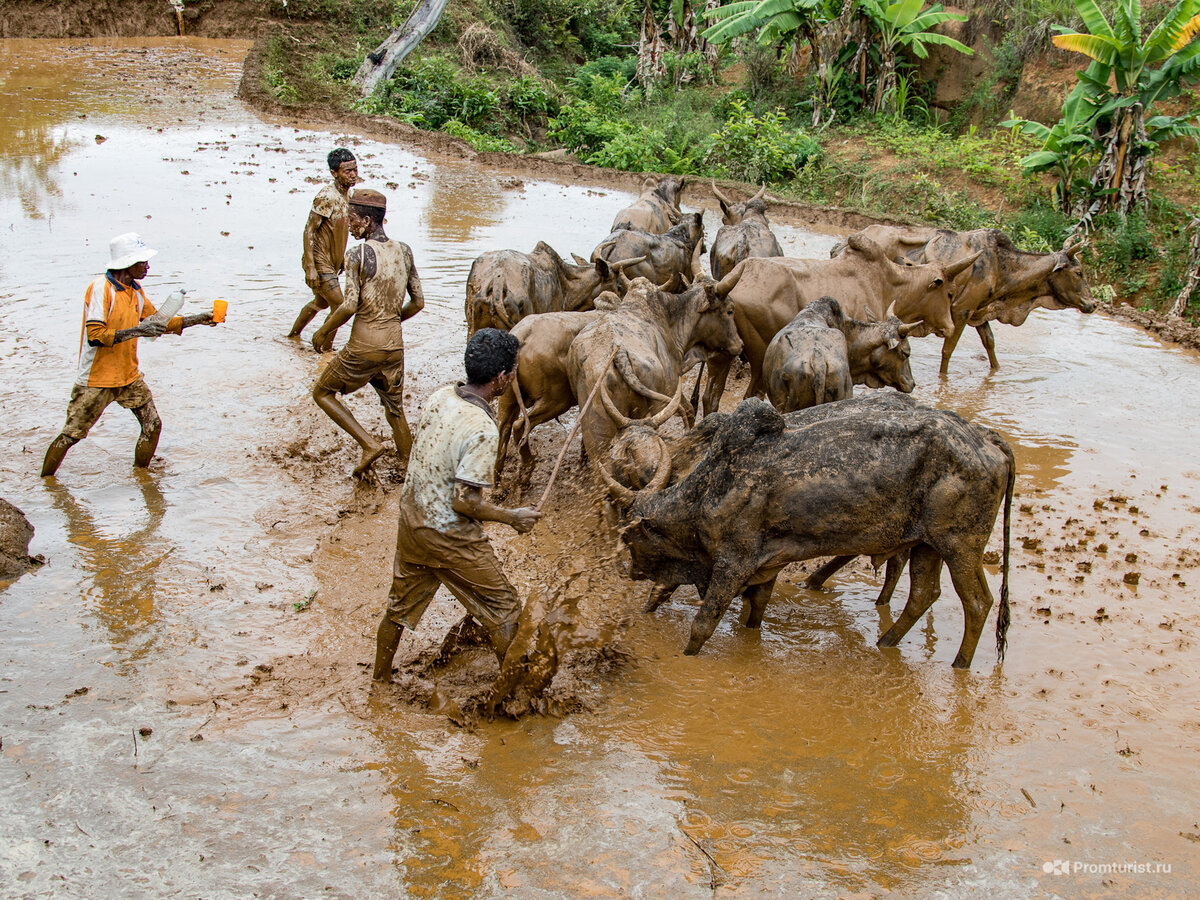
109 307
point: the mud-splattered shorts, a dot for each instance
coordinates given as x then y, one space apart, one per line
382 369
328 291
88 403
473 575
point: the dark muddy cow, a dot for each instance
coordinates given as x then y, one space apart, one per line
744 232
505 286
1005 284
657 209
636 459
652 331
666 259
763 496
767 294
821 354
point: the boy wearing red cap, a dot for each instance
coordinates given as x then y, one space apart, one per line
379 272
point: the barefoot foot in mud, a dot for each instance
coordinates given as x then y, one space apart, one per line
368 459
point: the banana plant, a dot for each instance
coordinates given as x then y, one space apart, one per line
1144 69
905 25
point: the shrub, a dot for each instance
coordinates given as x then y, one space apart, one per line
528 99
433 92
755 149
484 143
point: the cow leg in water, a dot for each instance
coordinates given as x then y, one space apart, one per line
949 344
891 575
817 579
989 343
659 594
727 582
754 600
925 570
970 583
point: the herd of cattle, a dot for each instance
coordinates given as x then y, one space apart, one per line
814 473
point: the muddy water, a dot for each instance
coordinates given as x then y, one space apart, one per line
799 760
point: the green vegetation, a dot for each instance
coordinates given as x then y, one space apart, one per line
826 101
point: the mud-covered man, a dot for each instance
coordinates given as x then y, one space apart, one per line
325 235
379 272
115 314
440 540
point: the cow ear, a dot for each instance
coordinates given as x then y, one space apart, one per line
893 343
601 266
1062 262
936 283
724 207
579 260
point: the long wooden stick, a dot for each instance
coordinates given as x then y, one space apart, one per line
582 410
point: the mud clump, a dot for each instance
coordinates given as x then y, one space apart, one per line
15 535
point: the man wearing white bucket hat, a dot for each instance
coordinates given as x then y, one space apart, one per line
115 314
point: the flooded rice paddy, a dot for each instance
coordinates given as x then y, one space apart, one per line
184 706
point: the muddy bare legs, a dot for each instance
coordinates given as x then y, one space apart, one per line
307 314
401 434
147 443
55 453
387 640
344 419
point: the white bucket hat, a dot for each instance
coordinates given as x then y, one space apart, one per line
126 249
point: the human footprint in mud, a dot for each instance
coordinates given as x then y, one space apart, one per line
325 235
379 272
115 314
440 539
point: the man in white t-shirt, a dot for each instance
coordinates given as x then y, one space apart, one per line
440 540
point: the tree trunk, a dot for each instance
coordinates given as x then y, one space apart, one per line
650 50
1193 280
1121 172
382 62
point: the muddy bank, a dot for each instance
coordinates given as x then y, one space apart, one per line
1169 328
133 18
15 535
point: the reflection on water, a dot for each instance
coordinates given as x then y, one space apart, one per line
121 551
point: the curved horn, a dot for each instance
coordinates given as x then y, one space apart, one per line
698 262
761 191
610 407
619 492
632 261
666 284
906 330
1072 248
623 281
721 196
956 268
663 416
663 474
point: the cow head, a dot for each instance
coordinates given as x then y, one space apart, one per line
715 330
670 189
889 360
1068 286
732 213
934 307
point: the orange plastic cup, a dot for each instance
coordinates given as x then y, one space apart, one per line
219 307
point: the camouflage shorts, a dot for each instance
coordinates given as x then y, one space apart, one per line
88 403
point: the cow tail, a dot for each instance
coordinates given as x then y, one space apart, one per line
496 301
1004 616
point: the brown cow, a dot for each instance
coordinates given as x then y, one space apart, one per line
821 354
744 233
652 331
767 294
657 209
665 259
505 286
1006 283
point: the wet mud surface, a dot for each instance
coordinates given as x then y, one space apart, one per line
185 705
